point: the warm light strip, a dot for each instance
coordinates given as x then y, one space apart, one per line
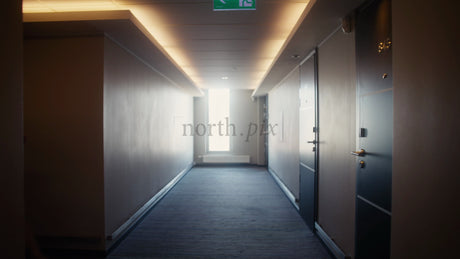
292 18
288 19
164 38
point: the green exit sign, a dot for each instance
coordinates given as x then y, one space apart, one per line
227 5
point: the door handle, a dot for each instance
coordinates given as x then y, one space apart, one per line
312 142
361 152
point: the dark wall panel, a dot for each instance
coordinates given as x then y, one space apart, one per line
11 131
64 142
426 130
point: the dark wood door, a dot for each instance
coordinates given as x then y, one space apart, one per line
375 113
308 137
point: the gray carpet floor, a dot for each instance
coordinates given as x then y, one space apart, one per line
222 212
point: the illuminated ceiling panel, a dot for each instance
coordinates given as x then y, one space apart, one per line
206 45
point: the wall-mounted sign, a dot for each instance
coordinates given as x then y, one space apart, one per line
230 5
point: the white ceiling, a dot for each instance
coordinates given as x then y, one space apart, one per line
245 47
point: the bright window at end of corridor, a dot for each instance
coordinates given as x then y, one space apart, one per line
218 116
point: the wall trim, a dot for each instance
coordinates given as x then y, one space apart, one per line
310 54
284 79
313 52
125 227
106 35
333 248
284 188
330 35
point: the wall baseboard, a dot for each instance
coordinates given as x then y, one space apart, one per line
226 159
224 164
125 227
335 250
284 188
83 244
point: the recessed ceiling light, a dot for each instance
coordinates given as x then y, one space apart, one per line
224 77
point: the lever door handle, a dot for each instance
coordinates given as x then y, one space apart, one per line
312 142
361 152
